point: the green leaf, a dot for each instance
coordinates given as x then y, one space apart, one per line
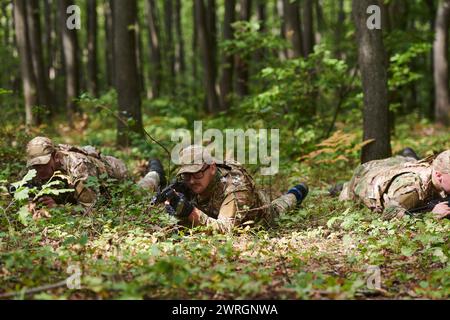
407 251
21 194
24 215
27 178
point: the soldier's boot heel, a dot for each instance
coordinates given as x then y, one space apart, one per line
300 192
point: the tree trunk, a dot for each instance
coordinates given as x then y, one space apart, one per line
169 47
431 91
279 12
371 58
440 47
109 35
211 21
339 31
308 28
207 55
37 55
50 48
291 12
194 44
155 50
26 66
127 76
180 60
262 15
226 82
71 61
92 79
241 63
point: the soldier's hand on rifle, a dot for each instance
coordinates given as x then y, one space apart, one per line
441 210
47 201
179 206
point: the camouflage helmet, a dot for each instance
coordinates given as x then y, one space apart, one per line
193 158
442 162
39 151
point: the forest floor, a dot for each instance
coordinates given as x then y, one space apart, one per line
125 250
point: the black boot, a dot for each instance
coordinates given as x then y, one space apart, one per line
155 165
300 192
409 152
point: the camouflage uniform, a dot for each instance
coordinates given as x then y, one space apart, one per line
392 186
77 164
233 199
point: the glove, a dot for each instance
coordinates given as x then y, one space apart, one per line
300 192
179 206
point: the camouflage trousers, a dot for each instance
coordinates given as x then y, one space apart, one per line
278 207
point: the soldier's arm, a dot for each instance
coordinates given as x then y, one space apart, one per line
84 195
229 215
402 195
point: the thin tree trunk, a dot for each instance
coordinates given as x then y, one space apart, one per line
339 31
169 47
71 61
211 20
109 35
308 28
26 66
50 48
180 60
293 32
432 25
127 77
92 79
279 8
7 22
241 63
194 44
226 82
155 50
440 46
207 55
139 59
37 55
372 63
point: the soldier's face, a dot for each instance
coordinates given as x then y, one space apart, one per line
444 181
445 184
45 171
198 186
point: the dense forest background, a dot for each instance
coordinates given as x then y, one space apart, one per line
126 74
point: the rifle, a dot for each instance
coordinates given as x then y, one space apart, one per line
170 193
429 206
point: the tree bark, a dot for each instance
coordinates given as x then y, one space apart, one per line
291 12
430 112
226 81
92 79
180 60
440 47
372 63
169 47
241 63
308 27
26 66
155 50
207 55
37 55
339 31
211 20
71 61
109 35
127 76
